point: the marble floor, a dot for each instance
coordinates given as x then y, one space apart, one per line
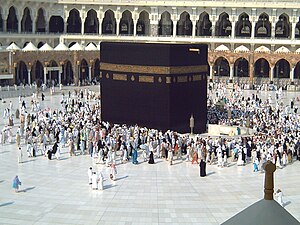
57 191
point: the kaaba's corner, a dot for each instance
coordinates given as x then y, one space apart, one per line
156 85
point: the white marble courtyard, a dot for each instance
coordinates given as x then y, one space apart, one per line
57 192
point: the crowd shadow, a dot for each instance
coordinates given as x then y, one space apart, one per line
108 186
6 204
26 189
286 203
121 178
210 173
4 152
1 181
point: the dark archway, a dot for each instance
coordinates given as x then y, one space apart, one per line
223 26
38 73
281 69
40 44
143 24
74 22
221 67
40 22
25 44
83 71
12 20
297 72
283 27
22 75
261 68
204 25
68 75
297 30
53 75
56 24
263 26
109 23
71 44
184 25
26 22
165 26
243 26
91 24
126 25
241 68
96 74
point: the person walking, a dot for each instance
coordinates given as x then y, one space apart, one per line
16 183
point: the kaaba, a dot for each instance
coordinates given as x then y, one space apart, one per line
157 85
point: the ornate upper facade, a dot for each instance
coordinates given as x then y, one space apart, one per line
256 41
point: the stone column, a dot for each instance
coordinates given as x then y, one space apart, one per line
231 73
82 26
118 26
154 21
194 22
4 25
253 29
293 31
29 76
174 28
233 29
271 75
134 27
269 168
19 26
45 75
213 28
273 24
211 73
90 73
292 75
60 74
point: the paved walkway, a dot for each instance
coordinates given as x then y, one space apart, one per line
57 192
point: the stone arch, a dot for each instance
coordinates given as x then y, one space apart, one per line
38 73
223 25
297 72
221 67
12 20
22 73
40 21
143 24
96 72
283 27
68 74
165 26
243 26
91 24
25 44
184 25
204 25
126 25
83 71
26 22
52 76
281 69
56 24
71 44
109 23
261 68
241 67
263 26
74 22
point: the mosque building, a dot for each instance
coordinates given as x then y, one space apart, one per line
250 42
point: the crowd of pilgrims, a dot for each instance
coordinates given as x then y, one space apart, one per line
77 126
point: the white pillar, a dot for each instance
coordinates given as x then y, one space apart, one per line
253 30
293 31
90 73
174 28
4 25
292 74
29 77
82 26
194 28
118 26
273 24
213 28
231 72
60 73
272 74
134 27
211 73
45 75
233 30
